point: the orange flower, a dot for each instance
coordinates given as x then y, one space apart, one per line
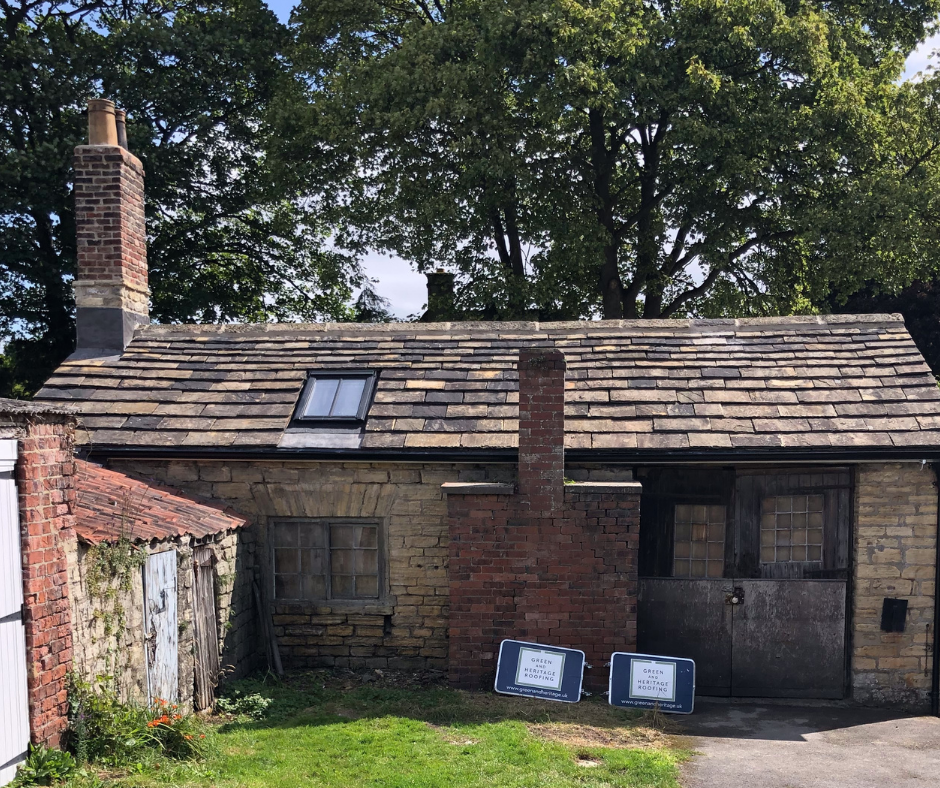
202 735
187 736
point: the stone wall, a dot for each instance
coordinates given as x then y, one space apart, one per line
895 555
240 645
45 479
408 627
120 655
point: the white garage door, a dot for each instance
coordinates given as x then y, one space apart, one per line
14 714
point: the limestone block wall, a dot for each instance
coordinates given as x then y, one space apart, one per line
240 645
895 555
408 627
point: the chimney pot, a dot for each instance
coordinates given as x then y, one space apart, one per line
102 129
120 121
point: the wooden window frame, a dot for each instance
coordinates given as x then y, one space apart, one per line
833 483
325 522
692 541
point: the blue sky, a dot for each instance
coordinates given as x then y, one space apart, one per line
405 289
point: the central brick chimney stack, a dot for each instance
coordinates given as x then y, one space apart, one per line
112 297
542 428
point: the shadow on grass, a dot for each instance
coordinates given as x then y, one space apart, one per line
327 698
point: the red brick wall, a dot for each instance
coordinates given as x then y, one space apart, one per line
541 427
554 563
112 239
44 475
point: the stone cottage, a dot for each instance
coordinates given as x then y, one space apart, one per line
759 495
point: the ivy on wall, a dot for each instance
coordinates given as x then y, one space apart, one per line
109 572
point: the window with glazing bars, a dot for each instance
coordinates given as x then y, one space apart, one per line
791 528
699 541
326 559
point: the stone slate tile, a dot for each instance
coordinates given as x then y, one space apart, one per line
707 383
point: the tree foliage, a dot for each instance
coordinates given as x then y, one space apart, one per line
199 80
627 158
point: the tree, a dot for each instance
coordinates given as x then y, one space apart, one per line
621 157
199 81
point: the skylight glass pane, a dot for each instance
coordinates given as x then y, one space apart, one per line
321 399
349 397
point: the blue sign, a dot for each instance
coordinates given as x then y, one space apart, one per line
645 681
536 671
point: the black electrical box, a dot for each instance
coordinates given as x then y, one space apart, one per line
893 615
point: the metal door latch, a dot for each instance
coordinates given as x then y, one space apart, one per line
736 597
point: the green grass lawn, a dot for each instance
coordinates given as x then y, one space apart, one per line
321 731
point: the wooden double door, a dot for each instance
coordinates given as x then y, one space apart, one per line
745 572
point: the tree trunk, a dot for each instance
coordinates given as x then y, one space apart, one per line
509 249
611 286
60 328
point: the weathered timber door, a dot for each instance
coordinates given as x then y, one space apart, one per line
788 639
207 631
14 712
697 619
746 574
160 624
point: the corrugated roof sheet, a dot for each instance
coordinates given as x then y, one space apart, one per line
109 505
19 407
799 382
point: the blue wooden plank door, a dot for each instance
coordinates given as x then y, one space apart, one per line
160 622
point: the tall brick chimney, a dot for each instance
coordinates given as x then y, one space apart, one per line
111 291
542 428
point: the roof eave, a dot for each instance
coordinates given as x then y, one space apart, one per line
725 456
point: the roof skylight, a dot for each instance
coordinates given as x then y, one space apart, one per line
336 396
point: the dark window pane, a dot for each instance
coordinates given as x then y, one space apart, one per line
314 587
313 562
285 535
321 398
349 397
287 586
342 586
366 536
343 561
342 536
286 561
312 535
367 562
367 587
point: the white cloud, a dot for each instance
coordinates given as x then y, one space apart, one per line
395 279
922 56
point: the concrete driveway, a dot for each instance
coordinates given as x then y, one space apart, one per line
785 746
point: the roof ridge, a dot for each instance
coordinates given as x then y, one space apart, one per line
512 326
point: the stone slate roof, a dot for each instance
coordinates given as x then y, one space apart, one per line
109 505
765 383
